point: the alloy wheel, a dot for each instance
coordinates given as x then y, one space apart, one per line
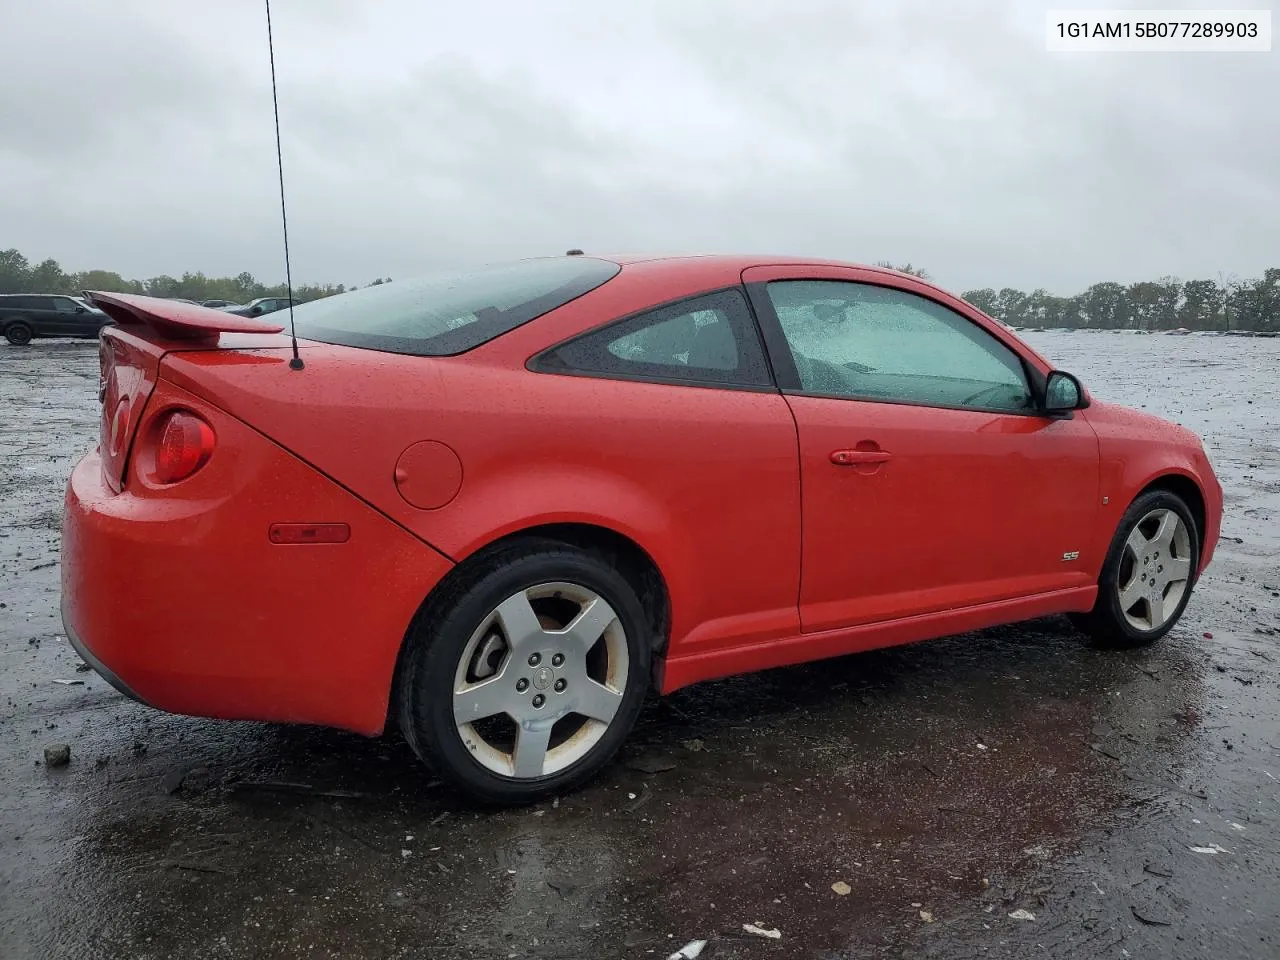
540 680
1155 570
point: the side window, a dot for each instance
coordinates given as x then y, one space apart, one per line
709 339
866 342
64 305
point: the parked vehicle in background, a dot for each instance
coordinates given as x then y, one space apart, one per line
263 305
218 304
496 509
25 316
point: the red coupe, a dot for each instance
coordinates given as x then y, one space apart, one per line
497 508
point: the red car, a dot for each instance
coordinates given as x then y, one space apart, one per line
496 509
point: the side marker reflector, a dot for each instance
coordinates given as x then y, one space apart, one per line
309 533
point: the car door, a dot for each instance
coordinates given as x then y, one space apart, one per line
44 320
929 479
73 318
679 399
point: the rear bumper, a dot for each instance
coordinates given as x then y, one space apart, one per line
184 604
100 668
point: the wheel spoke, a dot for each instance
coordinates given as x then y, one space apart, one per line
479 700
519 622
1130 594
1155 606
1177 569
1137 542
1167 528
597 701
530 754
590 624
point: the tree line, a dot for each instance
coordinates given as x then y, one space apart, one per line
18 275
1229 303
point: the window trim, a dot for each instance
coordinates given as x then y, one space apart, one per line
537 363
787 376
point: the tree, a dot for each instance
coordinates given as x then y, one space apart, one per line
161 286
106 281
920 272
245 287
14 272
984 299
47 277
1255 304
1107 306
1203 306
1155 305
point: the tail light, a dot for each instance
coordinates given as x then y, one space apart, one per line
186 443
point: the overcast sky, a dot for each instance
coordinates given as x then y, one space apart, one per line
137 136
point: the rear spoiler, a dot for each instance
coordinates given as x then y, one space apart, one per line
174 320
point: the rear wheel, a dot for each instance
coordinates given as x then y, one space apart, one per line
1148 573
18 333
526 677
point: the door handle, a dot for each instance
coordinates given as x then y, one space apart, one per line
851 458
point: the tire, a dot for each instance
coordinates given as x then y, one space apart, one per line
18 333
501 638
1128 612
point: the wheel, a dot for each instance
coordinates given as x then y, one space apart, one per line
525 677
18 333
1147 575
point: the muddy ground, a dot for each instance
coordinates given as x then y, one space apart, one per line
948 784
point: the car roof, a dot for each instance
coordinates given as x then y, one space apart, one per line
736 263
724 268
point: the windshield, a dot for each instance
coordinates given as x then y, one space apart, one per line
442 316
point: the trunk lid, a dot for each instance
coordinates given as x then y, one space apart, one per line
129 355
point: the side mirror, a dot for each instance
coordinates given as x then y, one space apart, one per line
81 310
254 311
1062 394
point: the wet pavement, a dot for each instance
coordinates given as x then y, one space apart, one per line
1127 802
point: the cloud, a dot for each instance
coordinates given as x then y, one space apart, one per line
418 136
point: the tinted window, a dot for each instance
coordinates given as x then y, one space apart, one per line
706 339
876 343
19 303
64 304
440 316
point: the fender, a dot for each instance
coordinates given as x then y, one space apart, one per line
1137 450
514 500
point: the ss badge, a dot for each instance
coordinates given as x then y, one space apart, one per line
1071 555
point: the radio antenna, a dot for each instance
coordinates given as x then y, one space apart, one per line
296 362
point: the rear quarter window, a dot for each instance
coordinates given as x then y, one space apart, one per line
447 315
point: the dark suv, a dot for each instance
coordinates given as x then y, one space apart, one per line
27 315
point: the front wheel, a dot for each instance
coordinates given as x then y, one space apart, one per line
525 678
1147 575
